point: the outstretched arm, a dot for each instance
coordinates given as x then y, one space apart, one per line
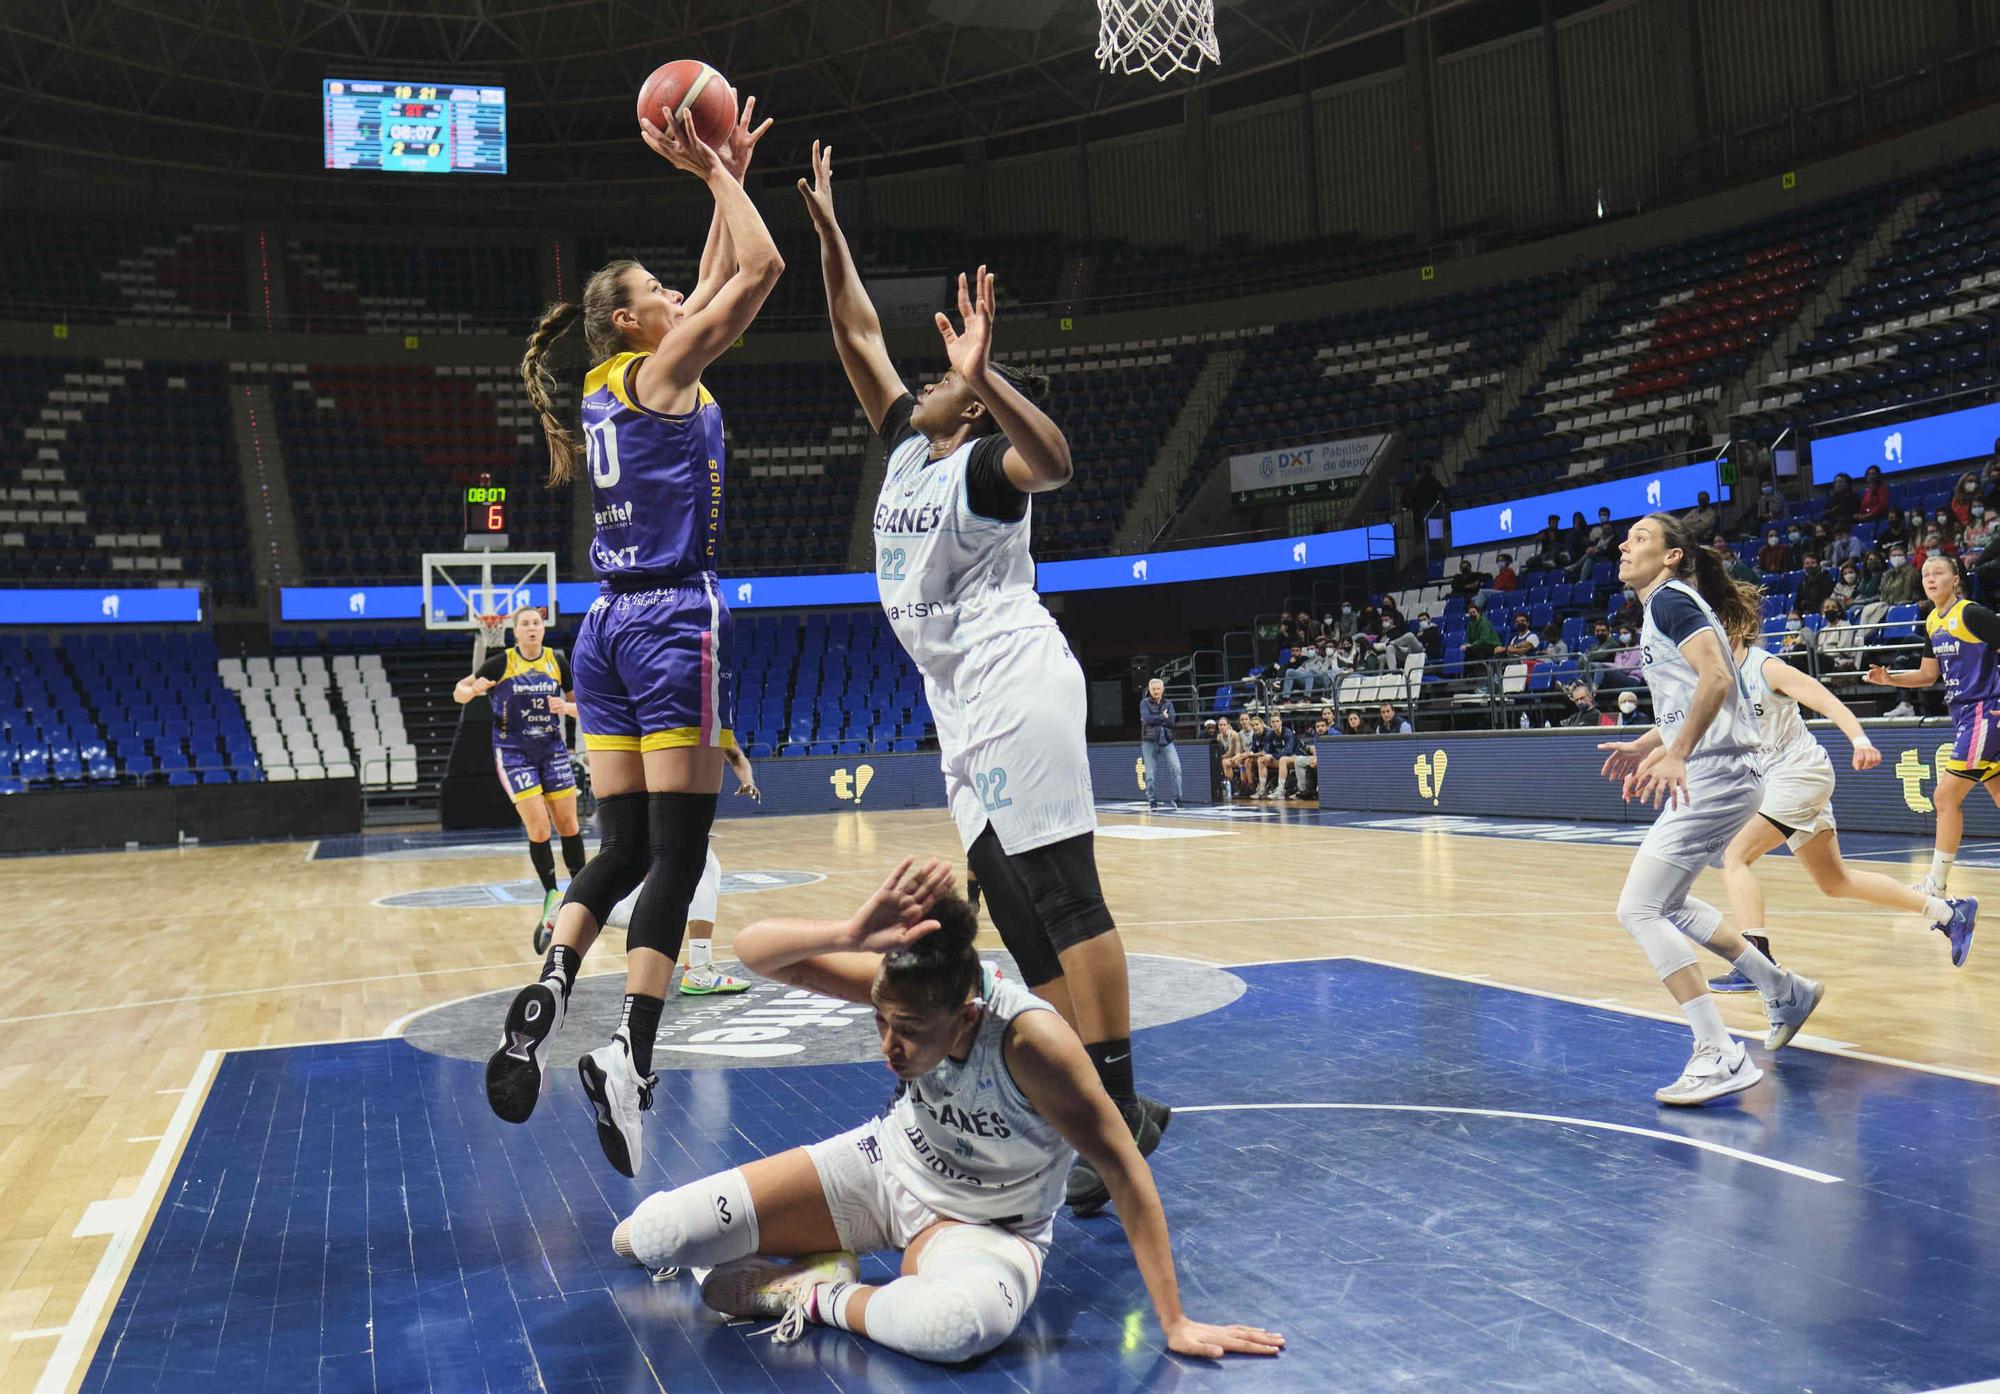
718 255
1808 691
1048 1062
857 329
1037 458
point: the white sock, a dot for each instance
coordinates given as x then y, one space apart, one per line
1706 1020
827 1303
1768 976
1937 910
1941 866
698 953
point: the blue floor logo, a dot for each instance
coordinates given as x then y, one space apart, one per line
508 893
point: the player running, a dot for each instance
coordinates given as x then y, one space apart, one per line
652 656
1700 759
964 455
529 686
963 1173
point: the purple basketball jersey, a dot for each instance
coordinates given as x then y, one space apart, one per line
655 479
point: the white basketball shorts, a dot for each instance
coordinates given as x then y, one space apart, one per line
1724 793
1010 728
1799 796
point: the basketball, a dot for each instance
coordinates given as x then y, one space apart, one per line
689 84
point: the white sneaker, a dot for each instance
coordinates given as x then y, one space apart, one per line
1902 708
1711 1072
707 979
767 1287
618 1097
1788 1011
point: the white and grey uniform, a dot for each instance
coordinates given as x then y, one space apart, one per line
1724 784
959 1143
1007 695
701 907
1798 774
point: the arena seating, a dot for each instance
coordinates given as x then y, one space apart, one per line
375 456
122 273
107 709
382 287
1426 368
1922 321
1129 278
1662 349
296 731
833 683
119 471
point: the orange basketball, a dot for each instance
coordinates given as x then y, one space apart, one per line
688 84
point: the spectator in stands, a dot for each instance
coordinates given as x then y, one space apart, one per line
1873 567
1774 557
1796 642
1839 642
1701 520
1311 673
1352 724
1945 525
1522 640
1482 641
1629 713
1467 584
1814 587
1423 493
1989 480
1842 503
1548 546
1893 528
1278 743
1345 659
1935 543
1629 614
1504 584
1430 637
1846 547
1601 545
1398 648
1587 712
1388 723
1770 506
1874 496
1739 570
1156 746
1978 534
1845 586
1964 495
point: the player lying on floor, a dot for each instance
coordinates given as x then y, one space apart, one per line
963 1174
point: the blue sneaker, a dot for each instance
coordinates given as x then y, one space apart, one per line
1732 981
1964 916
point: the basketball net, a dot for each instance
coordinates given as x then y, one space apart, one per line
492 635
1161 37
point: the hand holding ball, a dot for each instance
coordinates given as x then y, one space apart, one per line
689 86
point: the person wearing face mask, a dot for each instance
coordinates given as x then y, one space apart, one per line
1977 536
1629 713
1795 644
1770 505
1964 494
1839 641
1869 587
1841 502
1893 528
1774 557
1431 637
1936 544
1844 586
1814 587
1901 585
1738 569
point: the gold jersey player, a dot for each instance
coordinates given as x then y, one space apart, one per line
653 676
964 457
529 686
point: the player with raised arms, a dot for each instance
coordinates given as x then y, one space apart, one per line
1964 643
1798 807
652 658
529 686
964 455
963 1173
1700 761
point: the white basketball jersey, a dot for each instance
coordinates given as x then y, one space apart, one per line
966 1142
949 578
1779 722
1672 680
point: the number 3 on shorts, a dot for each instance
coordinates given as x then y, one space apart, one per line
988 786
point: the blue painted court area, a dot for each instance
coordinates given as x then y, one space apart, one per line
1489 1207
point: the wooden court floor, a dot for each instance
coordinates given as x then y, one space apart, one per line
129 969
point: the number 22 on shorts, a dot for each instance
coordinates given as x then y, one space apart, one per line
989 786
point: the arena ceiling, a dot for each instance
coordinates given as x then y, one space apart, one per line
234 85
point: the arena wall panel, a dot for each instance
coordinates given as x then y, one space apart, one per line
1625 102
1367 185
1035 193
1877 41
917 199
1486 774
1258 163
160 815
1494 156
1138 189
1759 61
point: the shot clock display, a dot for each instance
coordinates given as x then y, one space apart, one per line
485 510
414 127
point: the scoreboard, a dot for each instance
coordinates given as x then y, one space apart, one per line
414 127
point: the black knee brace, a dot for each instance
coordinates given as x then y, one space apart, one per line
676 855
620 863
1012 911
1061 879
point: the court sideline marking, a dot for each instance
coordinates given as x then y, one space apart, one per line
1718 1148
135 1219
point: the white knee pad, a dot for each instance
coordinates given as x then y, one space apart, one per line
972 1286
1656 911
702 907
700 1225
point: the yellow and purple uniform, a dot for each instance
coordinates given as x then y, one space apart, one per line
653 653
1965 640
529 752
